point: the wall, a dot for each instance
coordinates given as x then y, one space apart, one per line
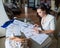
3 18
58 26
53 4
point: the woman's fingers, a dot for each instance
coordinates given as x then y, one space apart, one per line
36 25
36 30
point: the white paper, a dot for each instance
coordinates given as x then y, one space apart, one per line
18 26
12 44
39 28
40 38
13 29
27 32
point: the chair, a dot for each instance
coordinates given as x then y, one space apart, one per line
57 34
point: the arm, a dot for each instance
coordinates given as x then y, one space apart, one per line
51 26
47 31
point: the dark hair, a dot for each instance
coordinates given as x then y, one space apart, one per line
39 18
43 7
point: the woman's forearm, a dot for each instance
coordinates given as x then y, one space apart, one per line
47 31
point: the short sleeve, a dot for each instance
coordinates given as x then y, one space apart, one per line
52 24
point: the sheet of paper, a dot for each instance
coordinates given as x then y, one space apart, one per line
40 38
27 32
18 26
12 44
13 29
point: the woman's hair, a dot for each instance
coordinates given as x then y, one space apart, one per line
43 7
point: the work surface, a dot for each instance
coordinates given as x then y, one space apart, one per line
18 27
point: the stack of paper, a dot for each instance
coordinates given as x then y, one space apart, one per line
39 38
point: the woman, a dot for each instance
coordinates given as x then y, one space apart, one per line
47 21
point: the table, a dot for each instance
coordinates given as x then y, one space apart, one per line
37 40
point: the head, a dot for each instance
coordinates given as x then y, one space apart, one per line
42 10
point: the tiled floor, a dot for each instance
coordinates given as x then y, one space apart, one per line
2 42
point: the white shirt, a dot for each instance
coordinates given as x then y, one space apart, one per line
49 22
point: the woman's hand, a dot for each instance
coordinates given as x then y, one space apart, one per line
36 25
35 29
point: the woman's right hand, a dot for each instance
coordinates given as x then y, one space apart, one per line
36 25
35 28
